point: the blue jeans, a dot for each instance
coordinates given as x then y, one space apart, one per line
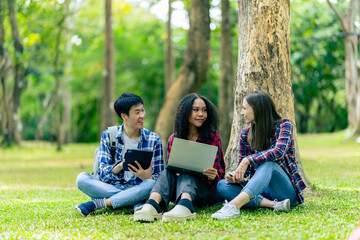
269 181
119 196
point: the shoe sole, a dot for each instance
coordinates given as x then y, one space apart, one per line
80 212
178 219
222 218
142 217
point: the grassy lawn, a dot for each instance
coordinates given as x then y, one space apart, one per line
38 195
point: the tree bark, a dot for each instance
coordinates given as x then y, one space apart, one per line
58 122
226 74
263 64
67 99
4 66
169 57
193 70
46 107
352 82
107 114
19 79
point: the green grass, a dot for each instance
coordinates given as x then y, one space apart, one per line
38 195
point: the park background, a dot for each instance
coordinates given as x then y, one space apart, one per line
61 70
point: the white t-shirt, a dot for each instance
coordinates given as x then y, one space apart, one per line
128 144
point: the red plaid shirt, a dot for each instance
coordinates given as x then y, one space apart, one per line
219 163
281 151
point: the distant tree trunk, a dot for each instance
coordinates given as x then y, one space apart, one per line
19 79
108 114
263 64
169 61
67 80
46 106
352 82
193 70
226 74
4 65
58 125
58 85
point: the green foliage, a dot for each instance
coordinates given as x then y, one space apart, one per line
316 61
317 67
38 195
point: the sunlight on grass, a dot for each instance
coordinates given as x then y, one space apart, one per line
38 195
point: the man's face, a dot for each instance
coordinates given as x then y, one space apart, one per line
136 117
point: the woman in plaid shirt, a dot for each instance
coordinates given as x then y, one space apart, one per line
196 120
267 175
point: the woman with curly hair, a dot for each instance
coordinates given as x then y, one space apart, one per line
196 120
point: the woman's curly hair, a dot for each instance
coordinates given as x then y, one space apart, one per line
182 118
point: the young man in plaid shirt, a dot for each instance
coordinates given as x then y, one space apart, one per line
115 187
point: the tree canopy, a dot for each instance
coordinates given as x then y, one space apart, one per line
317 62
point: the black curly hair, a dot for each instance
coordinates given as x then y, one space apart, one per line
182 118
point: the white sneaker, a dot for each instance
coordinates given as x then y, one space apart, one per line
227 211
178 213
147 214
283 206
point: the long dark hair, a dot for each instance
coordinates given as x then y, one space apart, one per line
183 112
266 117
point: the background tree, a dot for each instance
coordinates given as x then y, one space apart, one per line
264 64
19 78
4 68
226 95
169 57
317 53
107 114
58 85
352 81
193 70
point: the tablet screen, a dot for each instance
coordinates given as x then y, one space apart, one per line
142 157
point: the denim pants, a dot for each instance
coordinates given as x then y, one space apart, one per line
170 187
269 181
119 196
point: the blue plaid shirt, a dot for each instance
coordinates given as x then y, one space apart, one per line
149 141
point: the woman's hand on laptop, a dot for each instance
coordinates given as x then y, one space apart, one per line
211 173
138 171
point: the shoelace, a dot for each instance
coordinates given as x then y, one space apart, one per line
226 209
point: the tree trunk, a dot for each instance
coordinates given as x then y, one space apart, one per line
263 64
46 106
169 58
4 66
58 85
67 79
226 75
193 70
58 126
19 79
108 114
352 82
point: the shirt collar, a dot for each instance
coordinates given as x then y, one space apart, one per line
143 134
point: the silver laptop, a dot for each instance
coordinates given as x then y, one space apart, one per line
191 157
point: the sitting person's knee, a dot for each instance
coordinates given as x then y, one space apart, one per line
81 179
